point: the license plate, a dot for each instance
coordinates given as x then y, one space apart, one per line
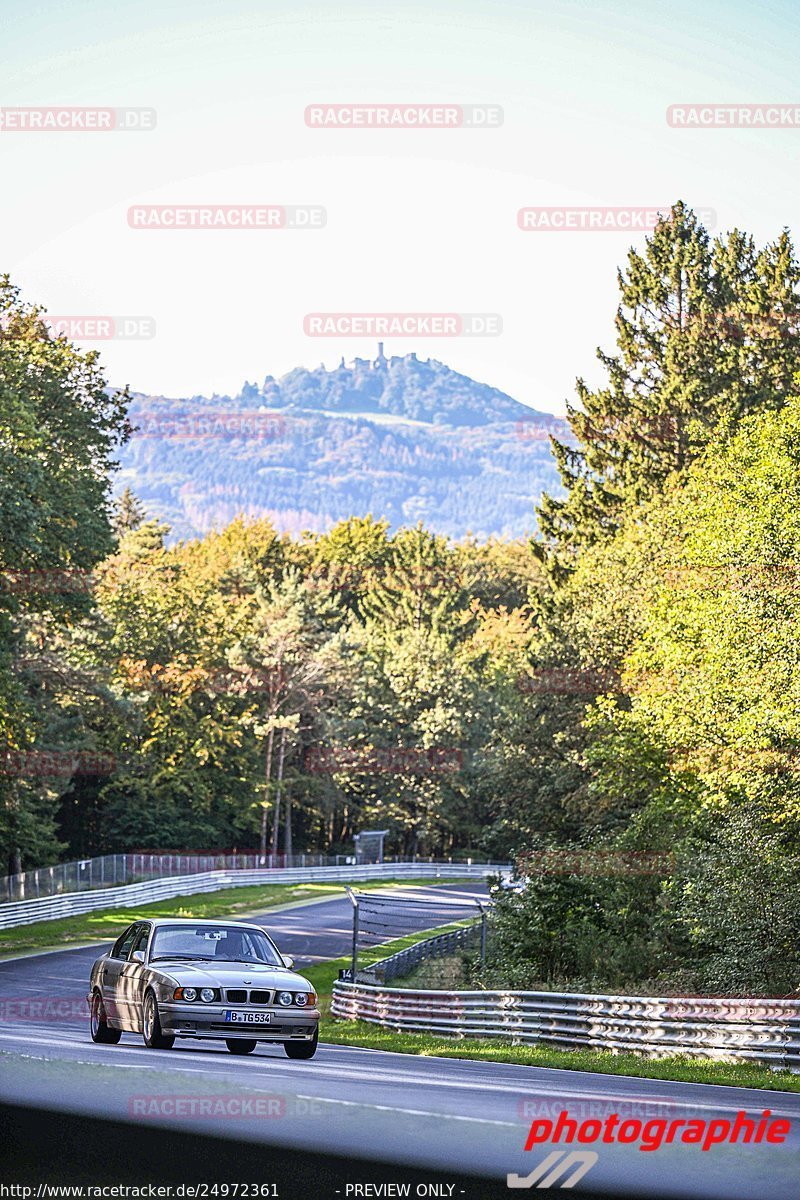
247 1018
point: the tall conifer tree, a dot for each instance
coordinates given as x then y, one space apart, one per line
706 332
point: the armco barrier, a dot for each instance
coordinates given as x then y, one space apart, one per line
84 874
758 1030
50 908
107 870
404 961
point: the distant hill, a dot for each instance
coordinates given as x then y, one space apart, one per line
400 438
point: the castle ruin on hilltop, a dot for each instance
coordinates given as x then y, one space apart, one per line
380 363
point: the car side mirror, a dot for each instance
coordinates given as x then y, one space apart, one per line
137 956
288 961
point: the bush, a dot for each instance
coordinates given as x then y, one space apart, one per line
738 900
573 933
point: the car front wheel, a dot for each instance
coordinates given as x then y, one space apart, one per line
302 1049
100 1030
240 1045
154 1039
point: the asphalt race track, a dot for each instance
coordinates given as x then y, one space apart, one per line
442 1114
324 930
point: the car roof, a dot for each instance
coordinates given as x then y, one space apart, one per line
157 921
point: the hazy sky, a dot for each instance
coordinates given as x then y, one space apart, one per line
417 220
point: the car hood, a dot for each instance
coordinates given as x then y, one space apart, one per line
228 975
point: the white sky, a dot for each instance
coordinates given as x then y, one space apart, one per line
417 220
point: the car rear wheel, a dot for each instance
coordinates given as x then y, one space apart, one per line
100 1030
302 1049
240 1045
154 1039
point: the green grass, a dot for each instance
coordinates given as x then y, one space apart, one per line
680 1068
323 976
107 924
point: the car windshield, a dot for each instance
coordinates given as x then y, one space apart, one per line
226 943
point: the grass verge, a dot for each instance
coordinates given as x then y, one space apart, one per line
678 1069
107 924
323 976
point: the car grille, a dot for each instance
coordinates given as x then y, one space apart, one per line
239 996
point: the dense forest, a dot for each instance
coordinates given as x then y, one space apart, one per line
615 703
409 439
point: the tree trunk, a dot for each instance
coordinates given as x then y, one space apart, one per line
288 845
289 823
262 847
276 816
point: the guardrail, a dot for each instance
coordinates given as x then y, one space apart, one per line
757 1030
25 912
85 874
403 962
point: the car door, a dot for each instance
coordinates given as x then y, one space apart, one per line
111 970
132 979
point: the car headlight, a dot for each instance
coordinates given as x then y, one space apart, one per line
188 993
301 998
285 998
208 994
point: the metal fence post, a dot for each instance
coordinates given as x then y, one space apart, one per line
354 962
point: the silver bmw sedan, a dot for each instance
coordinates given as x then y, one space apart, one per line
169 979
